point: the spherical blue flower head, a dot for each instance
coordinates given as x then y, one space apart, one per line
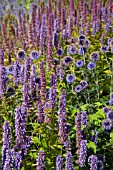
70 78
79 63
107 124
109 41
111 95
78 88
100 165
73 50
106 110
87 43
10 91
94 56
82 50
82 37
84 84
81 42
104 49
4 69
111 101
34 55
91 65
10 69
55 61
21 54
37 80
67 60
59 52
110 115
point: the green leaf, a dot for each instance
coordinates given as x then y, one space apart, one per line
92 145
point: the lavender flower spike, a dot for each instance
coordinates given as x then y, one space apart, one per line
83 152
40 160
59 163
69 163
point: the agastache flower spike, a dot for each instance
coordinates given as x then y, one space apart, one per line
62 118
93 162
69 163
43 82
3 73
59 163
6 141
52 95
40 160
83 153
40 112
1 57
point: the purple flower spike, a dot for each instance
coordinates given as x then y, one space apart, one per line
40 160
91 65
110 115
111 101
69 163
93 162
59 163
83 153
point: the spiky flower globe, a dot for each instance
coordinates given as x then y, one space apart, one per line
34 55
21 54
70 78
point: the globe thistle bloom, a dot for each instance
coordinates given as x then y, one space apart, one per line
79 63
10 69
107 124
55 61
81 42
110 115
87 43
94 56
59 163
21 54
91 65
111 101
78 88
59 52
93 162
70 78
84 84
106 109
68 60
111 95
40 160
34 55
83 153
104 49
109 41
69 163
82 37
72 50
82 50
100 165
10 91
